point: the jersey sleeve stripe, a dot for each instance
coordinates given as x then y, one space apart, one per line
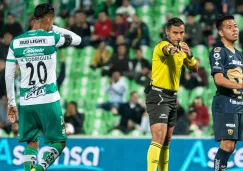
11 60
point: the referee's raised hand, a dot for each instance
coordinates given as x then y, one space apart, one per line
174 50
170 50
187 50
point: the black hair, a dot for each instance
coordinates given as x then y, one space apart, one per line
74 103
42 10
138 48
191 110
103 12
221 19
11 14
122 45
120 15
175 22
132 93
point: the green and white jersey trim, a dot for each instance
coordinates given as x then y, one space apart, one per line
35 52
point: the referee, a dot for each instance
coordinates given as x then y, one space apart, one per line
168 57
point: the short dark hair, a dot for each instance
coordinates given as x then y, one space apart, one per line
74 103
191 110
175 22
120 15
11 14
138 49
103 12
42 10
132 93
221 19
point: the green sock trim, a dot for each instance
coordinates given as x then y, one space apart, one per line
48 158
30 151
58 146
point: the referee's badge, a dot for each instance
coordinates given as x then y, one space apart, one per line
230 131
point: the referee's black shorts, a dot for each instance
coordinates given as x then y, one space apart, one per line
161 106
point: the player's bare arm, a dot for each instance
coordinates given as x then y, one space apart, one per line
220 80
12 114
190 62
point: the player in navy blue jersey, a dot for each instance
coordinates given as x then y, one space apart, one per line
227 108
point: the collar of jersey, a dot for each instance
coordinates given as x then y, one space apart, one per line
36 30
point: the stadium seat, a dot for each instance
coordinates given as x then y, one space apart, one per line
131 53
198 91
116 133
197 18
100 127
202 52
60 22
140 89
147 53
163 3
144 10
136 133
183 97
238 20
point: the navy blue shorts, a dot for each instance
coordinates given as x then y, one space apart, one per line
228 126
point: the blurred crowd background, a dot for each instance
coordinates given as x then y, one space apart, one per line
101 82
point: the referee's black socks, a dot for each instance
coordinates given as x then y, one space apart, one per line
221 159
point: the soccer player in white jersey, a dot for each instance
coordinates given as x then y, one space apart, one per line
40 109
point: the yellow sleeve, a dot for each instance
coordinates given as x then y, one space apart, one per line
158 49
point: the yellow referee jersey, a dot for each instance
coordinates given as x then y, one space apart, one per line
166 70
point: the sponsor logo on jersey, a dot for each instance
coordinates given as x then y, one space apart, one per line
216 67
230 125
32 41
217 49
35 92
33 51
230 131
216 56
235 62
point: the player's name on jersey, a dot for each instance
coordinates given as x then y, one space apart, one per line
35 58
33 41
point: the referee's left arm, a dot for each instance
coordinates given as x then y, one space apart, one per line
191 64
